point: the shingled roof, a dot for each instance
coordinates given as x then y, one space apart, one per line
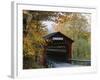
52 34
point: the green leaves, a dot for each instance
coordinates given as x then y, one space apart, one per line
77 27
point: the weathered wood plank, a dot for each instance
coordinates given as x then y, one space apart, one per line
57 50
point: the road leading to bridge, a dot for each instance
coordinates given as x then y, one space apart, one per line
54 64
58 65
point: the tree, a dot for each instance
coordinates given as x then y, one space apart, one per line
34 30
77 27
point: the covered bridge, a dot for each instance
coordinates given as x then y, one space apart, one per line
58 49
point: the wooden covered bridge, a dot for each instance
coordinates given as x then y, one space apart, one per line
58 52
58 49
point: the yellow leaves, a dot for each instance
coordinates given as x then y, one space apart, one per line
75 26
34 39
27 46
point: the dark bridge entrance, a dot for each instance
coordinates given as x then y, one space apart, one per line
58 49
57 57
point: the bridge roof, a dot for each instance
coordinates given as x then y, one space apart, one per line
57 33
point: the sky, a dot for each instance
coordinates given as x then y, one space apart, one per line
49 26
